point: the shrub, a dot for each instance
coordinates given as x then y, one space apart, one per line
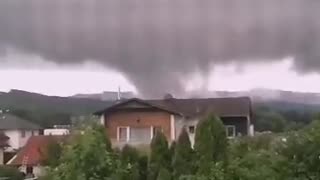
210 143
164 174
11 173
183 156
159 156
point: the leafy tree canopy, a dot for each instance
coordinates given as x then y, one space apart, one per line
210 143
183 159
164 174
10 173
89 156
159 156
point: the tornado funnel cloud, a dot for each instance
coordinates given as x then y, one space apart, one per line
156 42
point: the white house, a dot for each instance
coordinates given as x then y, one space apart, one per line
18 130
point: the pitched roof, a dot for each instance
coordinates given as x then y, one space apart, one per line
238 106
32 152
140 101
9 121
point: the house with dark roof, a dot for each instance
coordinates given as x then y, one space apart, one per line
135 121
18 130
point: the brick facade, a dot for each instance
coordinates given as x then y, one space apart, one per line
170 116
137 119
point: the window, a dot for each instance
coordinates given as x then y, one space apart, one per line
191 129
140 134
156 129
29 170
231 131
23 133
123 134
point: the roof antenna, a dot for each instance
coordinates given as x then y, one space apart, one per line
119 93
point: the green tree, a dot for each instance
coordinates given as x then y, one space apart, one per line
143 167
10 173
87 157
129 154
51 153
301 152
129 172
183 156
270 121
172 149
164 174
211 143
216 172
291 156
256 164
129 158
241 146
159 155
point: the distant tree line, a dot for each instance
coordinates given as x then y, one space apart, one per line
44 118
282 120
47 111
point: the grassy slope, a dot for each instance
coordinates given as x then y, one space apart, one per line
46 110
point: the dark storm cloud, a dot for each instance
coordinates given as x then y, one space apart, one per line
155 42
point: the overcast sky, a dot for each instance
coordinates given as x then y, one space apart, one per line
63 47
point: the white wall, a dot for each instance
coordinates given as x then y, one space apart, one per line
181 122
38 170
1 156
172 127
16 141
251 133
102 120
48 132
